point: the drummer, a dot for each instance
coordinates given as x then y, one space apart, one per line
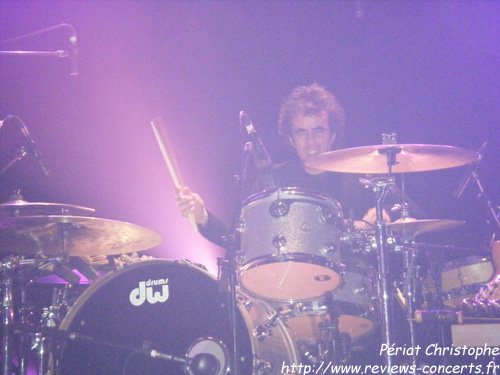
311 121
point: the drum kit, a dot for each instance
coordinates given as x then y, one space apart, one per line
297 298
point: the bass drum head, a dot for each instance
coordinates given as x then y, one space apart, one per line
170 306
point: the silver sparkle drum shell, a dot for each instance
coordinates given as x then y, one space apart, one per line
290 240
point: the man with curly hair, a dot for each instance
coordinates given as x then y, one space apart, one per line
311 121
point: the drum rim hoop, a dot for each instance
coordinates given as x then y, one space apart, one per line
290 190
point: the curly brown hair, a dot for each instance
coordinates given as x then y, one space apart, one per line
310 100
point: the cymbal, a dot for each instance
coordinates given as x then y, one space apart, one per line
32 235
409 158
413 227
24 208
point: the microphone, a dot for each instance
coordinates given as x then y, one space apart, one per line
73 54
261 156
32 145
471 169
200 364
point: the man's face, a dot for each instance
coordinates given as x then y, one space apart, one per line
311 135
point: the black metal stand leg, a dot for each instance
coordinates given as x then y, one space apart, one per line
232 301
409 293
384 293
228 286
7 316
334 339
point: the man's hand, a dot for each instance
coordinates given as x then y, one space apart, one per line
189 202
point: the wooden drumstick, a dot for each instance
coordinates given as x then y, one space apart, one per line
163 140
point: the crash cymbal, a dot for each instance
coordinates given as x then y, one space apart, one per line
24 208
31 235
409 158
413 227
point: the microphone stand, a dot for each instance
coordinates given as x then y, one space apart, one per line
71 54
202 363
20 153
492 210
58 53
228 276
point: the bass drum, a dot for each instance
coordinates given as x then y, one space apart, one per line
169 306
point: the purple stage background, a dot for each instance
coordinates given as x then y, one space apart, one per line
428 71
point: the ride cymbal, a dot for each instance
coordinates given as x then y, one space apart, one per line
408 158
73 236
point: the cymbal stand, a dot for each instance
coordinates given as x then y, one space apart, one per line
7 316
410 253
409 289
380 187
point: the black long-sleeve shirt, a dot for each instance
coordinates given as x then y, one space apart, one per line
354 199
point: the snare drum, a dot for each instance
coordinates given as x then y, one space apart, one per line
175 308
290 241
463 278
354 301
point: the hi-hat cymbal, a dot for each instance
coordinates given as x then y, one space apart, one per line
24 208
31 235
409 158
413 227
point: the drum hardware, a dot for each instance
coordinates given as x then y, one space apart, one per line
331 327
18 272
409 294
30 146
195 362
10 268
380 187
18 155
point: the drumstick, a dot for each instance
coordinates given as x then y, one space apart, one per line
162 138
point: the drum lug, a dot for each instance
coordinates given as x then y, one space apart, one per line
262 332
263 367
330 215
329 250
278 208
271 317
279 243
241 225
240 258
